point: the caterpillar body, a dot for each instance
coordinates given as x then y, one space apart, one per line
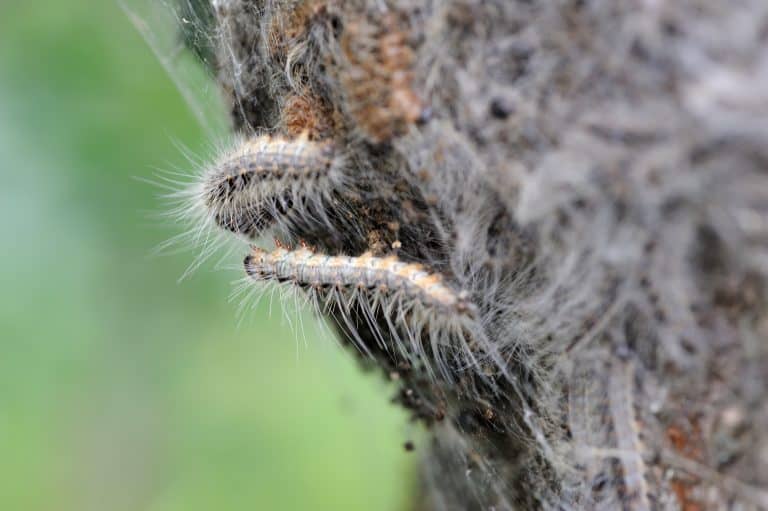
404 298
265 178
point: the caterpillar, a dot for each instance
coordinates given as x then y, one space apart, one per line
406 298
264 178
261 183
621 405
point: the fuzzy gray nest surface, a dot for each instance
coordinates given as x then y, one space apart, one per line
547 218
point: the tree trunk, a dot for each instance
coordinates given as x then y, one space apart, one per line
589 181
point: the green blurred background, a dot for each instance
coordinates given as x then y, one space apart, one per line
120 388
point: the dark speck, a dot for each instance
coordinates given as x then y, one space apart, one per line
500 109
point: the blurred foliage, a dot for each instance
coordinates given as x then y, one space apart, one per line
121 389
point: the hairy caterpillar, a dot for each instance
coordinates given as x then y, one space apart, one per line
621 404
263 178
262 183
413 301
